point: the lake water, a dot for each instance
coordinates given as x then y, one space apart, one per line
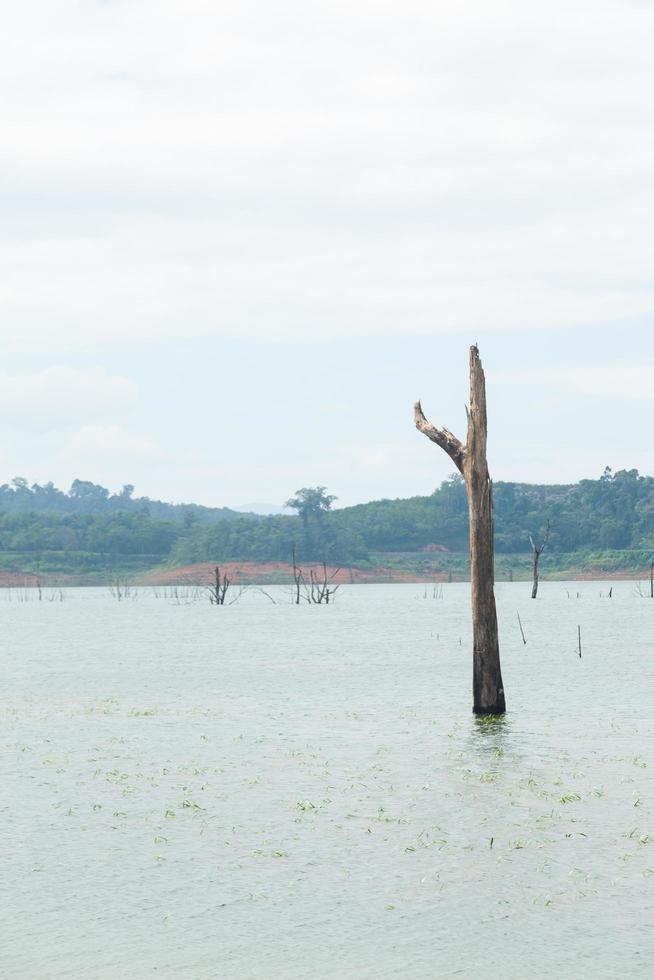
271 791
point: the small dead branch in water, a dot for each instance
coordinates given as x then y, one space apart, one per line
317 590
120 589
219 588
521 629
185 594
536 553
298 580
321 589
579 639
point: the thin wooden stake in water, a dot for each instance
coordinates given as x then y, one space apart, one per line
651 581
521 630
579 639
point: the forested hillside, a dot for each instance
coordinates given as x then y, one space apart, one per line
90 529
84 497
614 512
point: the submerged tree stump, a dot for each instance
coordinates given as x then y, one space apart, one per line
470 460
535 554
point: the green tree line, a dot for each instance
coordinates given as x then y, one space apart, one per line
613 512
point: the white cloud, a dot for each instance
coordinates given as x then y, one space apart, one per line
60 396
319 170
190 169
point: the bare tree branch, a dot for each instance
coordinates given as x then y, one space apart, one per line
442 437
314 591
267 595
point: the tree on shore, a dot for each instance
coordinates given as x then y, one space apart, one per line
470 460
311 504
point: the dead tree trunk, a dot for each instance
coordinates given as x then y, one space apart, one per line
297 579
219 588
470 460
535 554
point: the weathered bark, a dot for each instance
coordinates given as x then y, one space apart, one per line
536 553
470 460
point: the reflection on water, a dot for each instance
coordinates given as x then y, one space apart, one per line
286 792
492 734
491 726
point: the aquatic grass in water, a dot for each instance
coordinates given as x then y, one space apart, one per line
185 785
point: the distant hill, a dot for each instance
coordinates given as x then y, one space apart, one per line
613 512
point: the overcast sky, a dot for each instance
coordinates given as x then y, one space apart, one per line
238 239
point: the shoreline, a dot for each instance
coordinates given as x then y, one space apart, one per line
281 573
